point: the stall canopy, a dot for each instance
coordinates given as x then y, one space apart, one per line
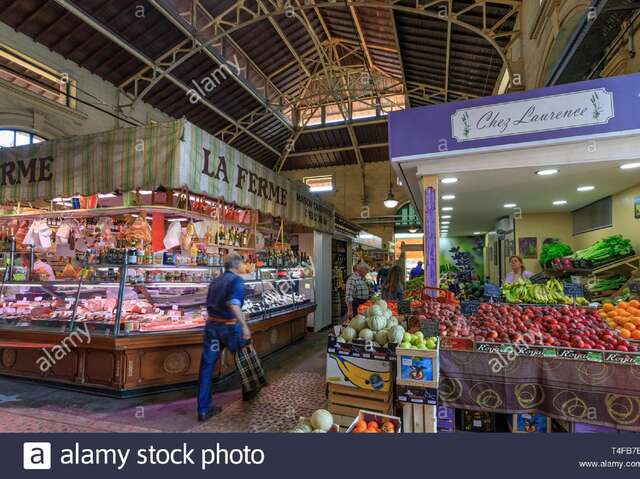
592 109
174 155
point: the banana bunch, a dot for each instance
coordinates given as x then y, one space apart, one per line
529 293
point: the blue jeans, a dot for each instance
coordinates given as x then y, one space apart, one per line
216 337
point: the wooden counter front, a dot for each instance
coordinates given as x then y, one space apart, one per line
133 364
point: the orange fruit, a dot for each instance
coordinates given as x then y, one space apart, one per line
623 305
612 324
372 425
613 313
634 303
625 333
629 326
624 313
635 334
620 320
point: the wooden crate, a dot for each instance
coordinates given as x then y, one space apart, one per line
346 402
419 418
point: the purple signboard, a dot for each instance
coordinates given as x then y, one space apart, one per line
589 109
432 275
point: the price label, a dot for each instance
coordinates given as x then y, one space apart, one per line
634 287
492 291
469 308
404 306
430 328
573 289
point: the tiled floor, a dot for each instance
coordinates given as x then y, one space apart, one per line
296 388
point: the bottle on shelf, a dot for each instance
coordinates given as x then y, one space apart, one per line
221 235
140 252
133 254
148 254
194 254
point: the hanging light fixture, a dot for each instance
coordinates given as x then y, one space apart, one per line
390 201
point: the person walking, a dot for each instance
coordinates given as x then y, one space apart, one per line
226 327
357 289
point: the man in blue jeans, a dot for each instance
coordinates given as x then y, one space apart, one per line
226 327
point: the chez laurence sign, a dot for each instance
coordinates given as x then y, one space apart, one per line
555 112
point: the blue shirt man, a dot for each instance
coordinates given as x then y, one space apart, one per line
417 271
225 328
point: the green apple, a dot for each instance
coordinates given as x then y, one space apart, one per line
430 344
434 339
421 346
407 338
405 345
419 335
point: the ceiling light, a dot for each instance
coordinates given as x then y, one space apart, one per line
390 202
409 235
145 192
413 230
106 195
447 208
586 188
478 233
629 166
177 219
446 223
546 172
449 180
446 217
449 197
510 205
560 202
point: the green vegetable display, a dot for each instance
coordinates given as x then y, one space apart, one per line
551 251
605 249
550 293
610 284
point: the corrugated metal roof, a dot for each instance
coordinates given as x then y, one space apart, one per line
419 56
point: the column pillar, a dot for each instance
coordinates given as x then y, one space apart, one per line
431 228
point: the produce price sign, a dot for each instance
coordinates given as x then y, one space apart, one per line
404 306
573 289
634 287
430 328
469 308
492 291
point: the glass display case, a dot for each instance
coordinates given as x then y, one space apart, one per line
134 299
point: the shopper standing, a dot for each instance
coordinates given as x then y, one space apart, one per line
383 272
393 287
357 289
518 270
417 271
226 327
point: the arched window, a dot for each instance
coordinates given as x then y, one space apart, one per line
10 137
406 219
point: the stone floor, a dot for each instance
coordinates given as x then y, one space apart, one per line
296 388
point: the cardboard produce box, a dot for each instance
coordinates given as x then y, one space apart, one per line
418 367
357 366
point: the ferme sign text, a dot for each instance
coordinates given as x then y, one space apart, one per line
33 170
244 178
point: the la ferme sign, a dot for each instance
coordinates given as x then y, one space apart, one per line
554 112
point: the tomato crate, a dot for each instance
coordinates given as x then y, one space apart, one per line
345 401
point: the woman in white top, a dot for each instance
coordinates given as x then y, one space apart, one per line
518 271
